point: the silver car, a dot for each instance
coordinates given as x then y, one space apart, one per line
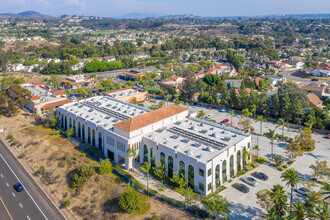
249 180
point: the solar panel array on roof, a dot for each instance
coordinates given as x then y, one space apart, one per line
198 138
104 110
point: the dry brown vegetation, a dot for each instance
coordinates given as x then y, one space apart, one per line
53 157
19 46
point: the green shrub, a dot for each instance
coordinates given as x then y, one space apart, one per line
197 211
155 217
248 167
152 193
285 166
261 160
241 172
290 162
172 201
128 201
16 142
106 167
160 188
70 132
10 136
41 171
79 176
253 165
66 203
280 169
22 155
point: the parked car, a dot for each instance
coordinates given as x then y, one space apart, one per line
209 116
328 136
249 180
315 80
18 187
260 175
241 187
301 190
225 121
222 110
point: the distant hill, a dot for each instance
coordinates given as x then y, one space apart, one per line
25 14
136 15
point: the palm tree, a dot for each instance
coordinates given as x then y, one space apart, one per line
272 136
132 153
256 148
326 187
281 122
299 211
231 117
279 199
319 210
167 97
254 110
146 166
261 119
246 113
293 179
246 154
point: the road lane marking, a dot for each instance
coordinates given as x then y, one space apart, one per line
28 217
6 208
1 175
20 205
14 194
7 184
23 186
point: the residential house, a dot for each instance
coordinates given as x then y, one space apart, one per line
79 80
322 71
314 100
319 91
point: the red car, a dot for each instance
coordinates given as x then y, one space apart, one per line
328 136
225 121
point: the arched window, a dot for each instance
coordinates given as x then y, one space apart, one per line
145 153
79 130
191 176
83 132
152 157
66 123
162 158
181 168
74 127
70 123
100 141
62 121
217 176
89 135
224 171
245 156
93 138
170 166
231 164
238 161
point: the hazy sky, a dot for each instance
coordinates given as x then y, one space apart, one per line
109 8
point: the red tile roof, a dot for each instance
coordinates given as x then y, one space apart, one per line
325 66
34 98
39 83
149 118
58 103
314 99
312 88
59 92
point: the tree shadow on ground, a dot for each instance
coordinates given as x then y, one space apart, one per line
318 157
242 212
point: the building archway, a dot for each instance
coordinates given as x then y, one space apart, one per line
89 135
100 141
79 130
182 168
83 132
162 158
74 127
231 165
70 123
170 166
65 123
217 176
145 153
224 171
238 161
93 138
152 157
191 176
62 121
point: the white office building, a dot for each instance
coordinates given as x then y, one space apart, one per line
207 154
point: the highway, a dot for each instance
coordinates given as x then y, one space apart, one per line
29 204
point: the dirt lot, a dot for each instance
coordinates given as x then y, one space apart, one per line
39 147
29 77
20 46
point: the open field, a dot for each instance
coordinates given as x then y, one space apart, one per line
53 157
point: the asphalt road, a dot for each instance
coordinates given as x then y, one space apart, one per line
289 74
29 204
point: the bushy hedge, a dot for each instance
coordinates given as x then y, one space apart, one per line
128 201
172 201
79 176
261 160
197 211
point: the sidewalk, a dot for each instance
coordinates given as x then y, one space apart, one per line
153 184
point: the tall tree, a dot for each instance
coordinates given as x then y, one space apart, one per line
271 136
218 204
261 119
132 153
293 179
276 105
279 199
146 166
281 122
285 110
319 210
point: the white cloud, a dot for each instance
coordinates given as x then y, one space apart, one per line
78 3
